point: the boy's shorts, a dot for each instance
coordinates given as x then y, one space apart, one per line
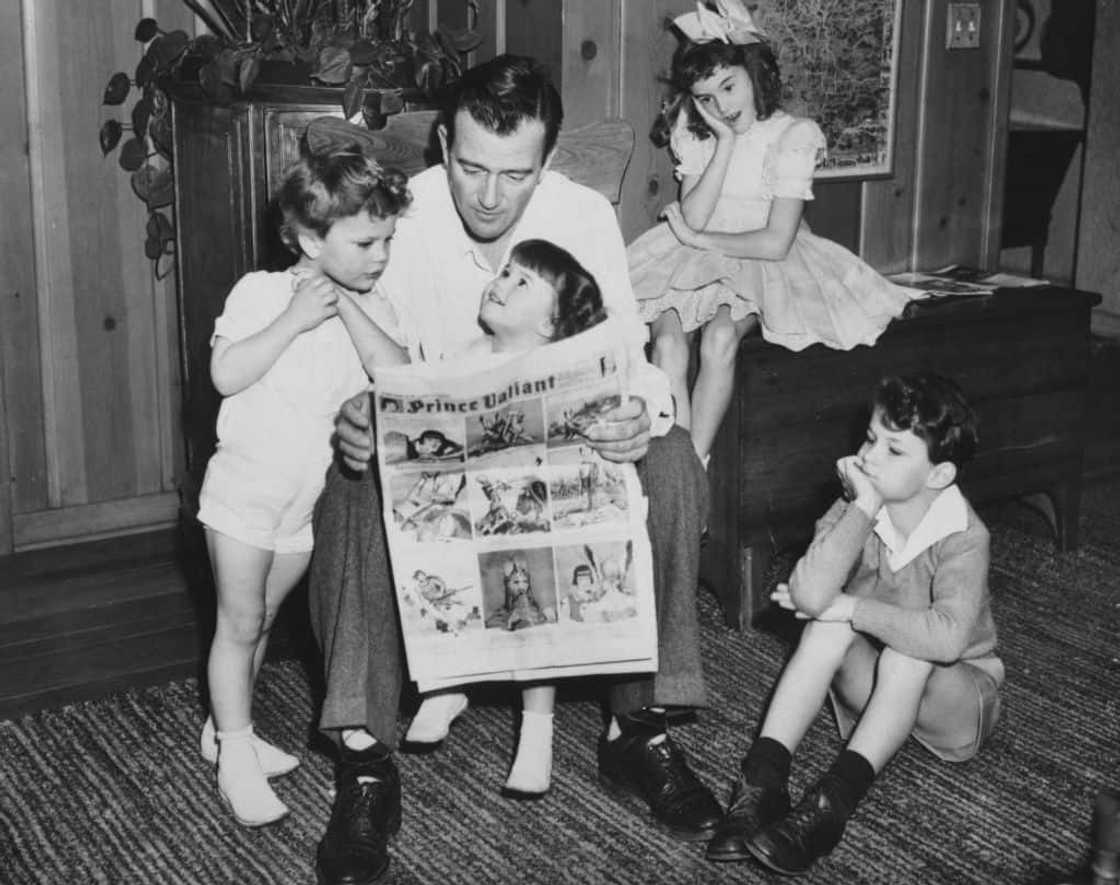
966 694
264 506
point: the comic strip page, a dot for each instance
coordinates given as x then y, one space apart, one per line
518 553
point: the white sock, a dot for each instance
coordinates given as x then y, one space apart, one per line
433 719
532 769
242 783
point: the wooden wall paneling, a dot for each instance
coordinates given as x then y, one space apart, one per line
834 212
592 48
1098 256
954 142
23 470
887 207
62 399
995 163
646 49
533 27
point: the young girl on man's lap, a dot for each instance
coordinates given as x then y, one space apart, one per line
734 253
288 347
542 294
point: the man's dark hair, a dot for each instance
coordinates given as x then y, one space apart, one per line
503 93
935 409
698 61
579 303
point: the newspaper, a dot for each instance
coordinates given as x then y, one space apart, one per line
517 552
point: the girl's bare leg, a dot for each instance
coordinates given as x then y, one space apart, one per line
670 353
531 773
715 380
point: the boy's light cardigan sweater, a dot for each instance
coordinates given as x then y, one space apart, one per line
926 597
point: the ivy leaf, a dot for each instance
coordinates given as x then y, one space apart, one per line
159 130
463 39
164 229
363 52
332 66
141 113
165 264
153 185
145 71
146 29
169 47
247 72
352 97
110 135
263 27
153 247
133 154
116 90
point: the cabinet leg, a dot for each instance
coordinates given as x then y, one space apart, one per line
755 560
1066 498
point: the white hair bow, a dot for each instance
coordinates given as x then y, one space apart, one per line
729 22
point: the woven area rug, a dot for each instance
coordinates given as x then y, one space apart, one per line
113 791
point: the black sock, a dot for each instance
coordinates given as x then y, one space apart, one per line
767 763
851 776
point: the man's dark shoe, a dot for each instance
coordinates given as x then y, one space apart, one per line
752 808
650 767
366 812
793 843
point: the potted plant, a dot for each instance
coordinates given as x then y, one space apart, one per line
364 49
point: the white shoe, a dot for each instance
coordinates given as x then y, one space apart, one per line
274 761
433 720
531 774
241 782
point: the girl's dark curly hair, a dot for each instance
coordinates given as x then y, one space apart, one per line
935 409
319 189
579 303
698 61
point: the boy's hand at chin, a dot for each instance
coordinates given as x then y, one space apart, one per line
857 485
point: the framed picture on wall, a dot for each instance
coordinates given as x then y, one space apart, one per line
839 64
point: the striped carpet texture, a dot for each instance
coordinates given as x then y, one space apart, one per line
113 791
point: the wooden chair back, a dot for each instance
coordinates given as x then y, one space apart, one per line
595 155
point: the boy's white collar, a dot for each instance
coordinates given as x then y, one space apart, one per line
947 515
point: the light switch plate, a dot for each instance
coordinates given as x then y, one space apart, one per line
962 29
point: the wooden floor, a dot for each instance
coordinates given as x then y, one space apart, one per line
82 621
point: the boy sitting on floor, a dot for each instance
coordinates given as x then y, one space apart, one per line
900 633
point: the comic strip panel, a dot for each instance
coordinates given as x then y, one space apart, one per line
508 502
597 582
570 415
509 436
431 505
431 440
439 592
518 588
585 490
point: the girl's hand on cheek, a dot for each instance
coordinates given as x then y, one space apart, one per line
719 128
314 300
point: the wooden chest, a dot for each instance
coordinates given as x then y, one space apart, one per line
1022 357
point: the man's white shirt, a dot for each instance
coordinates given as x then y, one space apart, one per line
436 273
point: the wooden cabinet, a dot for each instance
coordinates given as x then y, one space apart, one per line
1022 358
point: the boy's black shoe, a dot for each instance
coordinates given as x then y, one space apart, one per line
793 843
366 812
650 767
751 809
